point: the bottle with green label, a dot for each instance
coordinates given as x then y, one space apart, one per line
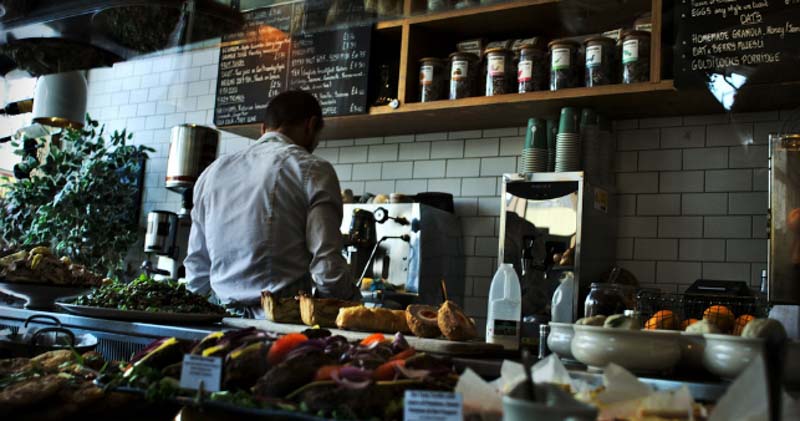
505 308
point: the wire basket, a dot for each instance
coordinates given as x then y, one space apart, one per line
664 310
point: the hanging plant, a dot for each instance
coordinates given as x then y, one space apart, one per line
81 198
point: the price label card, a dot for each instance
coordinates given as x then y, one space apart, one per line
423 405
197 370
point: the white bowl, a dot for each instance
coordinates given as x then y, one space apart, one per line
635 350
693 347
560 339
728 356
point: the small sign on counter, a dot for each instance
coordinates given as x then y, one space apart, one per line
424 405
197 370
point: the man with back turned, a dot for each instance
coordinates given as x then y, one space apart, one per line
268 217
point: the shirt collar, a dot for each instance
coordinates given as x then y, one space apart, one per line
275 137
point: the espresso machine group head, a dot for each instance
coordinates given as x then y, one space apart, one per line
192 149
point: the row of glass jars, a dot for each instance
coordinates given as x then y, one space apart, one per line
530 72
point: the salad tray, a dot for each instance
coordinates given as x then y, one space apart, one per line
139 316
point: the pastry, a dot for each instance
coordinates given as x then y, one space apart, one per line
620 321
372 319
321 311
280 310
597 320
454 324
741 322
422 320
703 326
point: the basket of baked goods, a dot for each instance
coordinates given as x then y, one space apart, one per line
40 278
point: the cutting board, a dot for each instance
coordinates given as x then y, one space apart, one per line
438 346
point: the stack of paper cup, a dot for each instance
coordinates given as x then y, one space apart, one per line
568 142
534 153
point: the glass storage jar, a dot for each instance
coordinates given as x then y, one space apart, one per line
431 79
463 75
635 56
499 71
532 69
563 64
600 61
604 299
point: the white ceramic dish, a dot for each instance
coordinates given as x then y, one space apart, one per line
41 296
559 341
643 351
693 347
728 355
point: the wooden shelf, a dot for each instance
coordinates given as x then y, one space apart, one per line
436 34
616 101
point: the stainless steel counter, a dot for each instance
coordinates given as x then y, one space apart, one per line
116 339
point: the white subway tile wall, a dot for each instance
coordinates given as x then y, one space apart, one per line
692 189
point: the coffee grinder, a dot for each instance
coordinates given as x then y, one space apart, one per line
192 149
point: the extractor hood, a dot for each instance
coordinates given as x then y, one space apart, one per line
53 36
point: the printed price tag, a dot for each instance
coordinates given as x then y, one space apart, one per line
197 370
423 405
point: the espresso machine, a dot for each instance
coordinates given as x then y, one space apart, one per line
553 223
410 248
192 149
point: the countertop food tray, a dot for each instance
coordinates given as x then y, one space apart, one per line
439 346
139 316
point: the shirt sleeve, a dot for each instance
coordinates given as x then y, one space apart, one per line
324 240
197 261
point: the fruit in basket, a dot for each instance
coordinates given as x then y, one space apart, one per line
688 322
769 329
620 321
741 322
703 326
663 320
721 316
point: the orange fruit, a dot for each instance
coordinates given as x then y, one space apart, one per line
688 322
793 219
741 322
663 319
720 316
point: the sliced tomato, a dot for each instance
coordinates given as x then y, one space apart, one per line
325 372
371 339
387 371
283 346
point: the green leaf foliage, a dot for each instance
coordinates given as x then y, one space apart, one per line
81 198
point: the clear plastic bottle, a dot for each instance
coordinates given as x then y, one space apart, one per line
505 308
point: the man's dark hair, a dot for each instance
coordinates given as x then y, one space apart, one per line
291 108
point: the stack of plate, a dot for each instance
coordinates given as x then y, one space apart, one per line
568 142
534 153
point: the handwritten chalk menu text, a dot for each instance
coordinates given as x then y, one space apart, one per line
756 39
267 57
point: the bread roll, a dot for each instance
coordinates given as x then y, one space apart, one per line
372 319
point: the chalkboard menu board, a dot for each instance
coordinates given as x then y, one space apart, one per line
740 41
268 57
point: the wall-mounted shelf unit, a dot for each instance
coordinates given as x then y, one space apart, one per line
436 34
